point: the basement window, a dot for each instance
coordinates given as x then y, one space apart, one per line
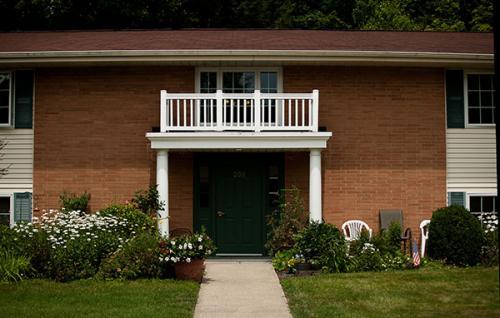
5 98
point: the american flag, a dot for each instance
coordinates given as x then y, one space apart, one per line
416 256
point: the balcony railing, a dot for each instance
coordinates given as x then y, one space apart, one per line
239 112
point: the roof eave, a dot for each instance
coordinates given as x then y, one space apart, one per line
48 58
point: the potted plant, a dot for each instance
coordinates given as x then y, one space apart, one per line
187 253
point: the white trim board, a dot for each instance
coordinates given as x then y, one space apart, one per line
276 56
239 140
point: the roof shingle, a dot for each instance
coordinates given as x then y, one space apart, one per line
211 39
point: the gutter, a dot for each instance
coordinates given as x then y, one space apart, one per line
281 56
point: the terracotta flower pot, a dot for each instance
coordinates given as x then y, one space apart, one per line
190 271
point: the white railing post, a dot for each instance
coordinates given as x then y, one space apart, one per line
315 97
218 98
163 111
256 101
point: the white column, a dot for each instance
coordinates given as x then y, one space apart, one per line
315 186
162 181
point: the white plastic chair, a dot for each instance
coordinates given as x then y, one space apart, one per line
355 227
424 235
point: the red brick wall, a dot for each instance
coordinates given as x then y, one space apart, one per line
388 148
90 126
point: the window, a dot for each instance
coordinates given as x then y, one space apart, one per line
238 81
480 96
5 98
479 204
5 210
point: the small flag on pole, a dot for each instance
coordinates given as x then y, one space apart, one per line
415 255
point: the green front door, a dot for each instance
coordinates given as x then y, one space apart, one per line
239 209
233 194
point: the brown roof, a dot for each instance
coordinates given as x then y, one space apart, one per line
446 42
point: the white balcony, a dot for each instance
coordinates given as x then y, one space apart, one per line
253 112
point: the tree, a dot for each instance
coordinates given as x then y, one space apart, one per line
384 15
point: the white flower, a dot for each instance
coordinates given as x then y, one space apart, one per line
200 247
188 260
190 246
200 239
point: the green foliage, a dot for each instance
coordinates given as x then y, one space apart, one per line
323 246
186 248
489 251
442 15
148 201
284 261
455 236
384 15
29 243
73 202
389 241
138 258
140 221
284 223
13 267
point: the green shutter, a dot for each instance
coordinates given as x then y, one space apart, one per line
457 198
455 99
22 207
23 99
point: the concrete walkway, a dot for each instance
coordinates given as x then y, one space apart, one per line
241 288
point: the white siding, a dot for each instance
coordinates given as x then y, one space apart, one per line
471 160
17 156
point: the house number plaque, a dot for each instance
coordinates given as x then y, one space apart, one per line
239 174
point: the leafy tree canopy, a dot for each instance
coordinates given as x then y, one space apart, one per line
437 15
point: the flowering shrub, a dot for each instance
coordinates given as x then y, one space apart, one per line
141 221
489 250
137 258
323 246
371 258
186 248
77 243
489 221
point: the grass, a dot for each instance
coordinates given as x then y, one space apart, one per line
91 298
427 292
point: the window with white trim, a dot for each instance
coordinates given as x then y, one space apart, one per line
245 81
5 210
479 204
480 99
5 98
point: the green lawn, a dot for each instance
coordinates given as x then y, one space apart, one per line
427 292
89 298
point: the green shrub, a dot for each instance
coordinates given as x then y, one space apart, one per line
135 217
366 258
455 236
389 241
284 261
489 251
323 246
284 223
73 202
13 267
138 258
148 201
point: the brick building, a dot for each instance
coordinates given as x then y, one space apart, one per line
222 120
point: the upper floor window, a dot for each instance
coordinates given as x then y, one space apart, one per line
239 81
480 95
5 98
